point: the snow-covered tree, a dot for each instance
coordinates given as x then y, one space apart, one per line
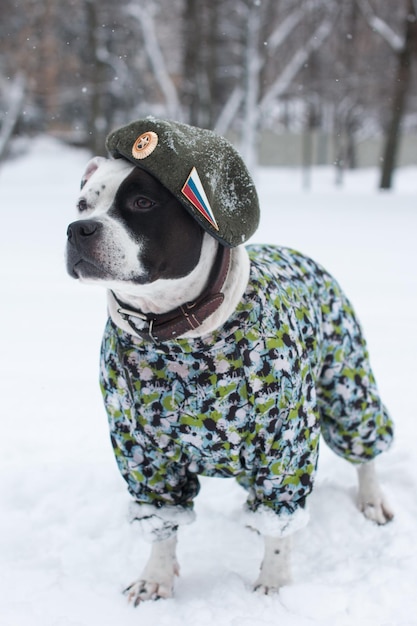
241 67
403 45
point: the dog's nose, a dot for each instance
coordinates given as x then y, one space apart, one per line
77 231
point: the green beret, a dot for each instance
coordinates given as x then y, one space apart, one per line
201 169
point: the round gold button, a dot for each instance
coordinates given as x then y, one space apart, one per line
144 145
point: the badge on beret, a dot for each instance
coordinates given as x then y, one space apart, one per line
193 190
144 145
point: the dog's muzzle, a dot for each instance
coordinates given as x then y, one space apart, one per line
81 239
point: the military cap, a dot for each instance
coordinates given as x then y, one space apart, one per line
201 169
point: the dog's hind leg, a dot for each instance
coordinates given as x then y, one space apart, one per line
372 502
275 568
157 579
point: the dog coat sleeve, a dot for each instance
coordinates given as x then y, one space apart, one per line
163 488
285 470
354 422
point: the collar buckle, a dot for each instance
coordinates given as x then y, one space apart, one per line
125 313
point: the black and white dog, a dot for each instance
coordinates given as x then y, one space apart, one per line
134 237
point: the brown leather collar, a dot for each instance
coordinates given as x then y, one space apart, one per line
188 316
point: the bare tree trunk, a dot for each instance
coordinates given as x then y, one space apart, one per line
11 117
211 62
97 128
401 89
248 141
307 156
49 65
143 12
229 111
191 36
200 62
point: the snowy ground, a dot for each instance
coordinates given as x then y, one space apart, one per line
66 547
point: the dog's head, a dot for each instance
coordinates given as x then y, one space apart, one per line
143 212
131 229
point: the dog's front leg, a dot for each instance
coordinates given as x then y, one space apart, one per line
275 568
372 501
157 579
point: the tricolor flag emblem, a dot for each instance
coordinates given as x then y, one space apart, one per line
193 190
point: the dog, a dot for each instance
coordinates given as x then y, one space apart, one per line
218 358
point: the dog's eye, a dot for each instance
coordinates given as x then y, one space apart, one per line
82 205
143 203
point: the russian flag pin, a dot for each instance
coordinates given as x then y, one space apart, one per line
194 192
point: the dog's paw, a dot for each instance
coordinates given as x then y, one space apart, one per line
376 509
265 590
143 590
371 500
157 578
270 585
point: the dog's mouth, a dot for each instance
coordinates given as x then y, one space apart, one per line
73 270
82 265
87 270
83 269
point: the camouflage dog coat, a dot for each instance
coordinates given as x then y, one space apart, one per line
248 400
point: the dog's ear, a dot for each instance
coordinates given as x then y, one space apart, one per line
92 166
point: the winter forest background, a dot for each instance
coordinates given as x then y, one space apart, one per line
308 90
291 82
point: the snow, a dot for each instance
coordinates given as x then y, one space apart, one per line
67 549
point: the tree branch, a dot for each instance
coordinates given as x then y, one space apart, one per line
395 41
285 28
294 66
141 11
229 110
